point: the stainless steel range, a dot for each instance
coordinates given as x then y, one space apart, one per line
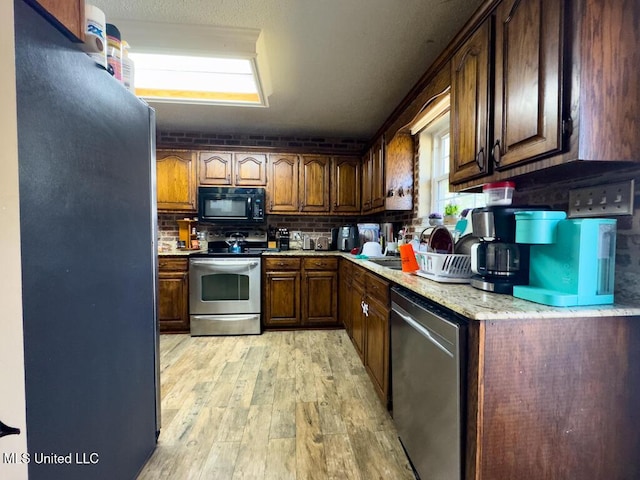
224 284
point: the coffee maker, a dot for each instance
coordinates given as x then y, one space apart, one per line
572 260
497 261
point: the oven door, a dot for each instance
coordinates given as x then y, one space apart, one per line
224 286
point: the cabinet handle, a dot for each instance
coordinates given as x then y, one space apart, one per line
271 205
229 177
335 204
480 159
496 152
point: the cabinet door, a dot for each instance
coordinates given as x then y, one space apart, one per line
176 180
69 14
357 318
215 168
470 107
282 299
282 187
377 348
345 185
320 298
366 182
250 169
377 175
344 295
528 81
173 298
314 183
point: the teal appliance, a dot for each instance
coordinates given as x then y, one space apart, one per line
572 261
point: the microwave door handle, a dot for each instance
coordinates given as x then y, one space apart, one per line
249 212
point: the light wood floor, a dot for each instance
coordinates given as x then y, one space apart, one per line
282 405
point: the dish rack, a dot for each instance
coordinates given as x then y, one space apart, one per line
444 268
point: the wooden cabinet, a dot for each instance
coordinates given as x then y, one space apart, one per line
300 292
528 81
470 107
373 194
377 310
344 295
176 180
282 292
282 187
345 185
357 311
66 15
215 168
552 63
314 183
567 386
173 295
232 169
367 301
320 291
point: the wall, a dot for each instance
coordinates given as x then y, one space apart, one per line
12 389
168 139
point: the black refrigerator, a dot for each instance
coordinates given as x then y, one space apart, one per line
88 225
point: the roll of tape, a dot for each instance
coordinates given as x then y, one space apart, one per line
95 43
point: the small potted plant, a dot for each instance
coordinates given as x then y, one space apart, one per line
451 211
435 219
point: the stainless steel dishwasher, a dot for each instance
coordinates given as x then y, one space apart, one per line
427 349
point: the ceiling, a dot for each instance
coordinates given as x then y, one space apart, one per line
338 68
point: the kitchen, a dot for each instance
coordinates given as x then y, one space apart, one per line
548 186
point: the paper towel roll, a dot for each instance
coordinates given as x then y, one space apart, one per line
95 43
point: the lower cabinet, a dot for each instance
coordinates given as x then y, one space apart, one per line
300 292
281 292
367 301
173 295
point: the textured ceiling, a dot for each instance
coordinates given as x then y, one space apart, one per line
338 67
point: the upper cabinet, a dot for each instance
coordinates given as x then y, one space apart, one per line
314 183
238 169
528 81
345 185
66 15
373 194
301 184
542 83
282 188
470 107
176 180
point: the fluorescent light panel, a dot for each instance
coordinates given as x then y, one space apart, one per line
195 79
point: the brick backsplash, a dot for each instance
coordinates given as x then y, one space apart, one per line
169 139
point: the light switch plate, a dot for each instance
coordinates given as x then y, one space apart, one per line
602 200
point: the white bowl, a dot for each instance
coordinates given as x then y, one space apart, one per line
372 249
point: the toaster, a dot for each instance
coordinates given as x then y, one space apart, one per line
307 243
322 243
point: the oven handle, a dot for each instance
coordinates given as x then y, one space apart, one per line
225 266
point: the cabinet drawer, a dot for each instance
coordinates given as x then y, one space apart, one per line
321 263
173 264
377 289
281 263
358 274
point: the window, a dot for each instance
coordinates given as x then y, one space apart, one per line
433 164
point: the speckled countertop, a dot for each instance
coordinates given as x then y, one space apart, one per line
473 303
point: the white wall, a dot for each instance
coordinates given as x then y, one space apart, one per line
12 394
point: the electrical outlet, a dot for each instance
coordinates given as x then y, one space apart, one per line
602 200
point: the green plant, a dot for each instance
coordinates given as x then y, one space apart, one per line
451 209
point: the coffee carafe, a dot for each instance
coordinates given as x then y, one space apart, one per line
497 262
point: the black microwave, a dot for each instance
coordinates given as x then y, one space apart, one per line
226 205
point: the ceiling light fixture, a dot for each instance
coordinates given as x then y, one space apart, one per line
198 64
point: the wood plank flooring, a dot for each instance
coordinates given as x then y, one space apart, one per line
282 405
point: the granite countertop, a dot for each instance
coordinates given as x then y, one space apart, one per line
477 304
468 301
